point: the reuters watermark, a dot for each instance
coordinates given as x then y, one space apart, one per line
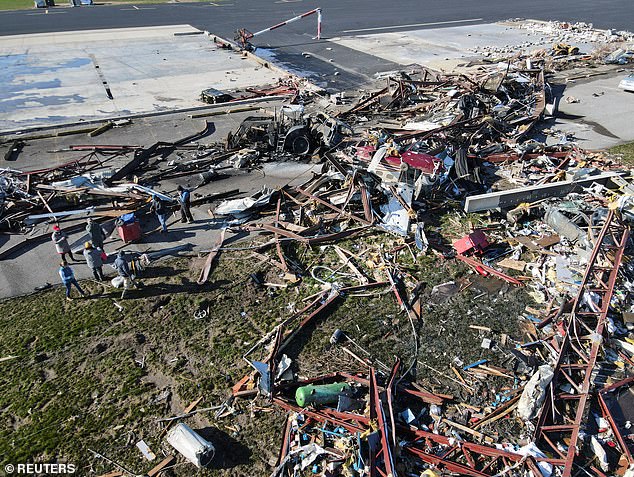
39 469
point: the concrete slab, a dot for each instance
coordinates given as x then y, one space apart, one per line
437 48
603 116
66 77
35 265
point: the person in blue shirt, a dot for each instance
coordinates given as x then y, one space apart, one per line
184 198
68 278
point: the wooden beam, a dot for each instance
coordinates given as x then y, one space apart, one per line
169 460
468 430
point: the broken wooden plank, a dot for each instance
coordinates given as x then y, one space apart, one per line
490 370
425 396
499 413
483 269
527 242
346 258
365 200
193 405
45 202
101 129
458 375
330 206
278 245
518 265
204 273
480 328
468 430
548 240
169 460
114 473
280 231
364 102
292 227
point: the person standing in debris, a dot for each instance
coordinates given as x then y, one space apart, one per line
96 233
60 239
94 260
184 198
123 269
160 209
68 279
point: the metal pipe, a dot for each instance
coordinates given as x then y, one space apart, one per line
294 19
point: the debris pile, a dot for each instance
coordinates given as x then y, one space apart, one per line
566 247
563 43
566 32
429 169
557 225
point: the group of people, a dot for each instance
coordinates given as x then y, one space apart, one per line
160 208
94 254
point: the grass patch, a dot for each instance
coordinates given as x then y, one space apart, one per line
16 4
133 2
77 383
626 151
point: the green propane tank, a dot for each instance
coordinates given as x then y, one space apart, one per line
321 393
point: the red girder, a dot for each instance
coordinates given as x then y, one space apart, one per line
449 465
576 362
348 422
625 446
377 413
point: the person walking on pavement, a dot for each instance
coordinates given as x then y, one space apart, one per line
94 260
123 269
68 278
160 209
60 239
184 198
96 233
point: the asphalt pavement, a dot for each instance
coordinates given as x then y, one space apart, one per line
331 66
341 17
36 263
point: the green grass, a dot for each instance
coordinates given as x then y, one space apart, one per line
16 4
76 385
627 152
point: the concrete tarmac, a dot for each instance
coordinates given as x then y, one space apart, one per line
341 18
36 264
66 77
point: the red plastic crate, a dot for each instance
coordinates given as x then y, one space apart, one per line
130 232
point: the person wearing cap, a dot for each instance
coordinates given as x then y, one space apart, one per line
123 269
68 279
160 209
94 260
184 197
60 239
96 233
